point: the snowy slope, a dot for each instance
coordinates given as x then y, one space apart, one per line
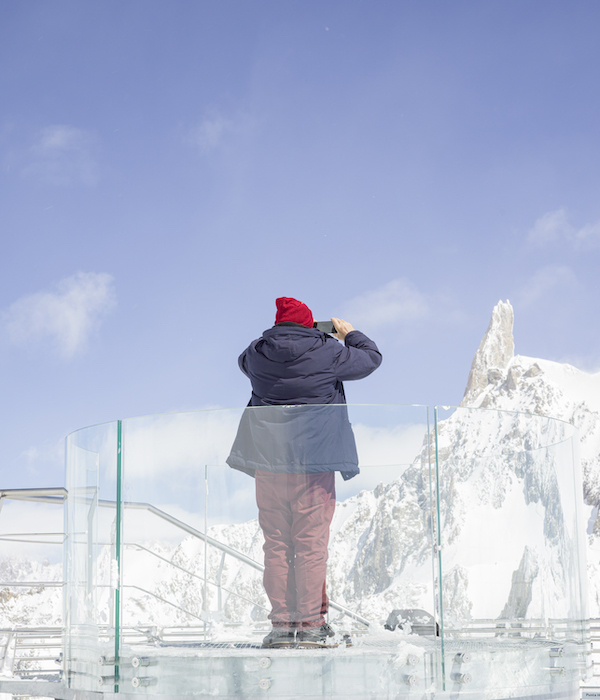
38 605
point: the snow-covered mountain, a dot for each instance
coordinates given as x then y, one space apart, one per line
499 379
381 549
38 605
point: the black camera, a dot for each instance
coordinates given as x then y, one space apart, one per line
325 326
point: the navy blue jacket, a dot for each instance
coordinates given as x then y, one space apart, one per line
290 366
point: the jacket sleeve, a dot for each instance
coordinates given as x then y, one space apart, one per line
358 358
242 362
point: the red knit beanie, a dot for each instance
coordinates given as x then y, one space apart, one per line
289 309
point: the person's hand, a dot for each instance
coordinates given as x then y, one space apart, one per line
342 328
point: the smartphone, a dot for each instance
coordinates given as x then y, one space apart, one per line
325 326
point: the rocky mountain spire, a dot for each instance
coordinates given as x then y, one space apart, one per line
496 350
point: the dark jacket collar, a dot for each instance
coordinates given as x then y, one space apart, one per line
291 323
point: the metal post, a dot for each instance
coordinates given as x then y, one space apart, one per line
118 550
205 549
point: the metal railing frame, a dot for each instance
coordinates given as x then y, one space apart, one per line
59 495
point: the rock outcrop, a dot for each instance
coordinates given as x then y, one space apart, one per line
496 350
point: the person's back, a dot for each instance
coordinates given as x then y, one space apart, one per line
294 453
296 363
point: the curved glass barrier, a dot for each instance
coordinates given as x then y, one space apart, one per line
92 553
199 545
510 548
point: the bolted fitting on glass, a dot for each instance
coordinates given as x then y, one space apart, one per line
463 678
106 680
107 660
138 661
264 683
463 657
412 660
143 681
411 680
558 671
264 662
557 652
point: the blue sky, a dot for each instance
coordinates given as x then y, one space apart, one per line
169 168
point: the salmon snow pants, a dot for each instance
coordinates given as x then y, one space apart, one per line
295 512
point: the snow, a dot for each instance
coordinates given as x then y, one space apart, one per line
39 605
487 563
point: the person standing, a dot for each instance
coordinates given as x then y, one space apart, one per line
293 439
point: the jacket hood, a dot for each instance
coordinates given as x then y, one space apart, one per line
288 343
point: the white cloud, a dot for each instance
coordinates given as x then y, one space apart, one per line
555 226
62 155
67 315
216 130
45 459
588 236
543 281
210 133
182 443
167 458
384 454
550 227
18 519
395 302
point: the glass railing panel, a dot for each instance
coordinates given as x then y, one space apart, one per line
194 600
165 492
467 579
511 558
91 556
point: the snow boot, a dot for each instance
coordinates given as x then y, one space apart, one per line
280 637
315 636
